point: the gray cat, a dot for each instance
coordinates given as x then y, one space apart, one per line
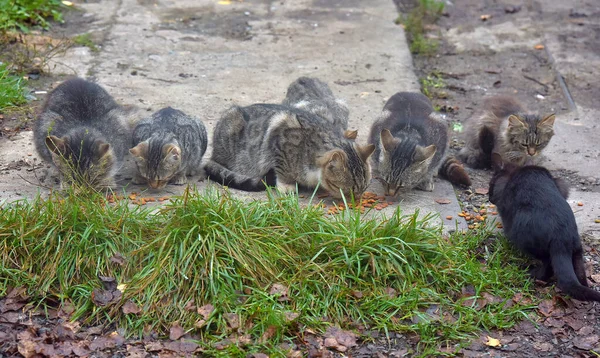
84 132
410 145
503 127
168 146
274 144
315 96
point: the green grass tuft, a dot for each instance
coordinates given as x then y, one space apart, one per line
425 12
23 14
86 40
211 248
12 92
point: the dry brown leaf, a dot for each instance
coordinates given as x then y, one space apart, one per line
546 307
539 47
481 191
281 290
586 343
268 334
492 342
176 331
290 316
443 201
339 339
190 306
233 320
485 17
131 307
543 346
206 310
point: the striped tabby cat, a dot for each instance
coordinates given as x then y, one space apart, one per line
410 146
168 146
84 133
315 96
505 128
251 144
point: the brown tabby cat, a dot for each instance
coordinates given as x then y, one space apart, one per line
505 128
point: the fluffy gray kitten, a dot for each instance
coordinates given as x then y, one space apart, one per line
84 133
504 127
286 146
168 146
410 143
315 96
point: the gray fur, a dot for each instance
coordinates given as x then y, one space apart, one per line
315 96
83 132
411 156
297 147
168 146
503 127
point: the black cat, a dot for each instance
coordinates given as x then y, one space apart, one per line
538 221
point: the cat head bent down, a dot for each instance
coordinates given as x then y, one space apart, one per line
346 170
83 158
156 161
403 163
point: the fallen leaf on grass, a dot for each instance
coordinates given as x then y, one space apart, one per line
233 320
182 347
281 290
130 307
106 342
206 310
443 201
176 331
492 342
268 334
118 259
553 322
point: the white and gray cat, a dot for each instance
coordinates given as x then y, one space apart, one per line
410 146
168 147
84 133
266 144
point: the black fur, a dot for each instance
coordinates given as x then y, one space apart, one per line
538 221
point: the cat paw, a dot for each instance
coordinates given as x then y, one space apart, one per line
426 185
285 187
138 179
179 180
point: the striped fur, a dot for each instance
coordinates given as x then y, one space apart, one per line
266 144
83 132
505 128
453 170
410 143
315 96
168 147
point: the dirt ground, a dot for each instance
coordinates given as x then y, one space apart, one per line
559 327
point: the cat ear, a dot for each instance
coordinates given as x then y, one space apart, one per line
365 151
173 151
497 162
140 150
348 134
388 141
103 147
548 120
56 145
333 159
424 153
515 121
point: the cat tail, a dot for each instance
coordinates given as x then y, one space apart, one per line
565 267
224 176
453 170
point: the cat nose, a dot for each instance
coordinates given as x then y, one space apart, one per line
531 150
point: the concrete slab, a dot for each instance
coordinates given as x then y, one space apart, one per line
202 57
